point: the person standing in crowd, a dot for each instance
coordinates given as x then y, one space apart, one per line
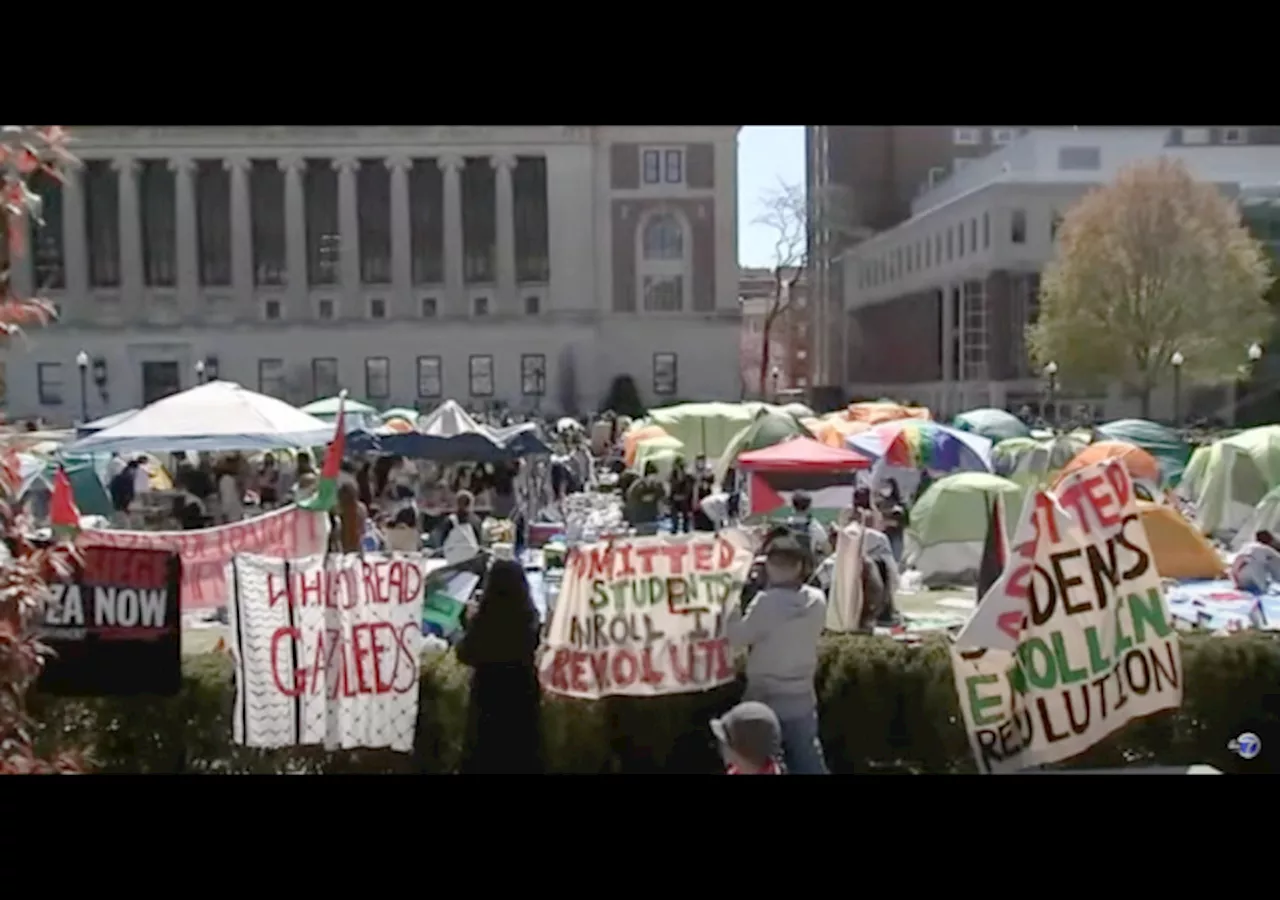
644 501
681 493
364 484
780 629
141 476
504 733
230 491
268 482
704 487
750 739
894 516
504 489
463 520
122 488
808 531
351 514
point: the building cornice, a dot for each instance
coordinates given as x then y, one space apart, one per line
156 140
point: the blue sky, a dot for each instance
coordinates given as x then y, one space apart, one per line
766 153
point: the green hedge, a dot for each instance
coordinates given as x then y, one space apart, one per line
885 707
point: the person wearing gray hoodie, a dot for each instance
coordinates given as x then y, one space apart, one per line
780 629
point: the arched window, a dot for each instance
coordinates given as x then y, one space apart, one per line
664 263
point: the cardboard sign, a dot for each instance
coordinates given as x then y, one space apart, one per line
1074 640
644 616
326 650
116 629
205 552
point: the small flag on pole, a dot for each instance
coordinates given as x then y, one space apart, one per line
64 516
326 496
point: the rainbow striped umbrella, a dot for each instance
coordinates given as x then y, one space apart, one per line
918 444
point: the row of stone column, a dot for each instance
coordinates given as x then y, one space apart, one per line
76 250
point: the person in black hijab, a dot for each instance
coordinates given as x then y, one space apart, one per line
504 733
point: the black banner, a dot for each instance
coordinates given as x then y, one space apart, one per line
116 627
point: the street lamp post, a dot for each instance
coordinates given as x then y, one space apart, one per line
1051 372
82 363
199 371
1176 361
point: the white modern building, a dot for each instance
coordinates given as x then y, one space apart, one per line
938 305
529 265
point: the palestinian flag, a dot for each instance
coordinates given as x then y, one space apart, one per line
770 493
995 549
326 496
446 594
63 514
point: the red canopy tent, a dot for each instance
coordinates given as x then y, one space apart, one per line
804 455
825 473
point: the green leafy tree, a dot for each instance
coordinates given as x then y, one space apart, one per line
1153 264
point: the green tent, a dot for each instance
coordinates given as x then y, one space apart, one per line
1265 517
85 472
1170 450
1031 462
949 525
662 451
703 428
994 424
767 429
1227 479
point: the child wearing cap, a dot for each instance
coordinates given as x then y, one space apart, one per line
750 739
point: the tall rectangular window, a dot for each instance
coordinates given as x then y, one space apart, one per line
666 380
271 377
157 210
529 189
102 223
480 376
49 383
377 378
1018 227
267 218
213 222
324 241
48 248
533 375
373 208
324 377
479 221
430 378
426 221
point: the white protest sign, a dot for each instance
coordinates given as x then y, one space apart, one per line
326 650
644 616
844 606
1075 639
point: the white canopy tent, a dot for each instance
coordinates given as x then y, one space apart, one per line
448 420
220 415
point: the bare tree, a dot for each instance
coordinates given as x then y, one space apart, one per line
786 216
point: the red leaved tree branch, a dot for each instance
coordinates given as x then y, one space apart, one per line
25 567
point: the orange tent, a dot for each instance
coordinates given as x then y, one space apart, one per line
1139 462
879 413
398 425
834 430
632 439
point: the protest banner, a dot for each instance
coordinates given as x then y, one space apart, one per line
115 627
1074 639
644 616
845 599
205 552
326 650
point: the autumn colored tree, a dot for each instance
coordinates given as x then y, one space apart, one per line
785 216
1153 264
25 567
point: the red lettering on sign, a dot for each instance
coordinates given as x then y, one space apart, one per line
1120 482
625 668
296 682
702 553
646 555
1102 501
675 554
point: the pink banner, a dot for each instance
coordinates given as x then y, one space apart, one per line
287 533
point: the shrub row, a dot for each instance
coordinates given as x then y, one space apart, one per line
884 707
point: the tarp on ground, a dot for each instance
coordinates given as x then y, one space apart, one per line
1162 442
993 424
948 525
1180 551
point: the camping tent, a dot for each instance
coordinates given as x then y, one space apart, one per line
879 412
219 415
705 428
1163 443
767 429
447 434
835 430
1141 464
775 473
1032 462
1179 550
921 444
662 451
633 438
1265 517
993 424
105 422
949 525
1227 479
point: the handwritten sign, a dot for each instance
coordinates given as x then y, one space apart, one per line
205 552
326 650
115 628
642 617
1074 640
